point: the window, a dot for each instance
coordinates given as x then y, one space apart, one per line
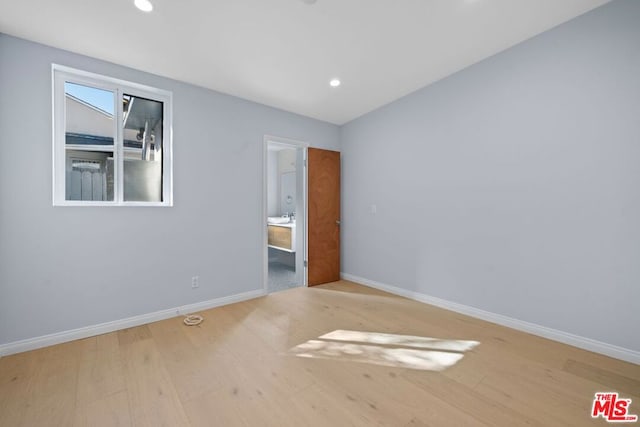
111 141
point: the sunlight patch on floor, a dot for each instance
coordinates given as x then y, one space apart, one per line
402 351
400 340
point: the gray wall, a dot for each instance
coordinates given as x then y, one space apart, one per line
514 185
63 268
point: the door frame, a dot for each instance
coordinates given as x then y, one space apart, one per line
263 218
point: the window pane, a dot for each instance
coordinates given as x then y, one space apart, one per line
143 120
89 115
89 136
89 175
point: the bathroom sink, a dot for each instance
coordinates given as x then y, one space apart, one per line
277 220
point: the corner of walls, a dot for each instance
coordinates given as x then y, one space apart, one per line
509 187
73 267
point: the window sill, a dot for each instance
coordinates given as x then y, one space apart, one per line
112 204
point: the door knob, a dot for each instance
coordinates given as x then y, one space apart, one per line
338 222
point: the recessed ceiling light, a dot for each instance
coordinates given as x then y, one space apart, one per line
143 5
334 83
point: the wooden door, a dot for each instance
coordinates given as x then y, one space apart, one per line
324 216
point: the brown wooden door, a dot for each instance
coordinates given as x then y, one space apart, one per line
324 216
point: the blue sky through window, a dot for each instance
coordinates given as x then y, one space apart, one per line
99 98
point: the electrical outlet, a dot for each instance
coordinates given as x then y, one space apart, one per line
195 282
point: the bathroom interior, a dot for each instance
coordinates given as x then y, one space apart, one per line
285 216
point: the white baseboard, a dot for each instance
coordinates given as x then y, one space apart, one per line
103 328
532 328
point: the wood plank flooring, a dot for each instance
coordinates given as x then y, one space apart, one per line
238 369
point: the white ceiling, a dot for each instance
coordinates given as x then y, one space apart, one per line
283 53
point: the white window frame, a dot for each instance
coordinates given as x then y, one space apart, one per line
61 74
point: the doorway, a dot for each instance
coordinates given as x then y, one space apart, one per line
284 214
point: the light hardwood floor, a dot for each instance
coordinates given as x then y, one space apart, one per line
236 369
